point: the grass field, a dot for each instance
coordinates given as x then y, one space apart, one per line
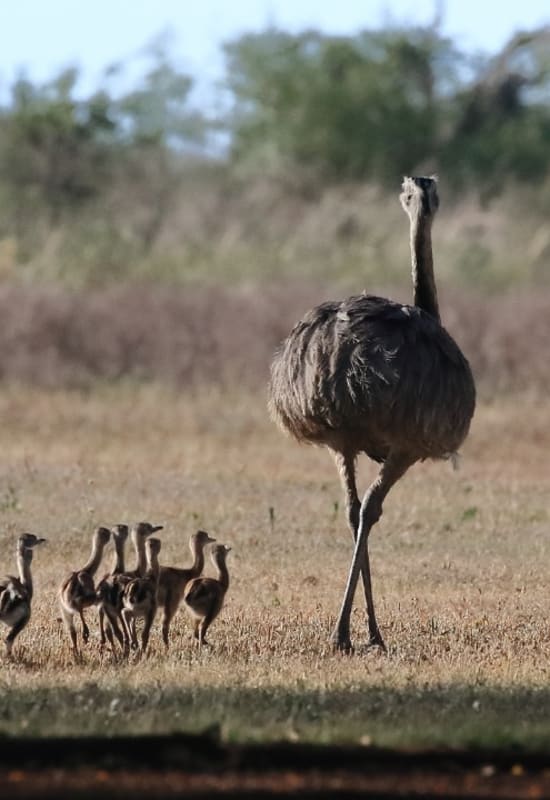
460 564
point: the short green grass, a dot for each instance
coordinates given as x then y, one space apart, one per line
460 565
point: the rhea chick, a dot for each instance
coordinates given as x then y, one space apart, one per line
139 599
16 593
204 597
173 580
110 589
77 592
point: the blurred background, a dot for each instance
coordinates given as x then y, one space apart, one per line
179 182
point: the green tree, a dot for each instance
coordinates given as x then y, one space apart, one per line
55 151
159 130
349 107
500 124
112 163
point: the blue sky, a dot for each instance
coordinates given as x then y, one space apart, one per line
42 36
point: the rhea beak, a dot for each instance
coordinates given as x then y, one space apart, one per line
29 547
157 528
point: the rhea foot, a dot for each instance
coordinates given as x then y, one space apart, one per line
375 640
341 641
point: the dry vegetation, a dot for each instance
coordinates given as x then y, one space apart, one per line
222 230
460 568
51 337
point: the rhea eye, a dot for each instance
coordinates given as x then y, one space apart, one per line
409 196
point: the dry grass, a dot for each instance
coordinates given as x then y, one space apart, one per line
223 230
460 567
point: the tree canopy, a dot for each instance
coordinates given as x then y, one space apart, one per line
381 103
368 107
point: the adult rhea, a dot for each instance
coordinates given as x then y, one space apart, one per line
369 375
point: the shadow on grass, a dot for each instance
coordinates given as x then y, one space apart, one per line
449 715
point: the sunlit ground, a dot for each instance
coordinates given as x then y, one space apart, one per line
459 559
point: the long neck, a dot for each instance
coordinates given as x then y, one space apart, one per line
153 567
139 547
222 574
91 566
118 565
198 558
425 292
24 568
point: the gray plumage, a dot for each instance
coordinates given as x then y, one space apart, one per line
369 375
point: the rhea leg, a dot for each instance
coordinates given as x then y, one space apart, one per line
15 631
68 620
85 629
370 512
170 608
112 627
150 616
205 624
166 629
102 639
346 467
130 625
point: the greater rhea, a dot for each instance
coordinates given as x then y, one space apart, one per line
109 591
78 592
204 597
139 599
16 592
173 580
111 588
369 375
139 534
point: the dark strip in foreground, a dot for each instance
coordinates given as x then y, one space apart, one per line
205 752
199 767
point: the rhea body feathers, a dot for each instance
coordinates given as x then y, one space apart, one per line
368 374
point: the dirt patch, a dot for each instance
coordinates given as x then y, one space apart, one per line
201 766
